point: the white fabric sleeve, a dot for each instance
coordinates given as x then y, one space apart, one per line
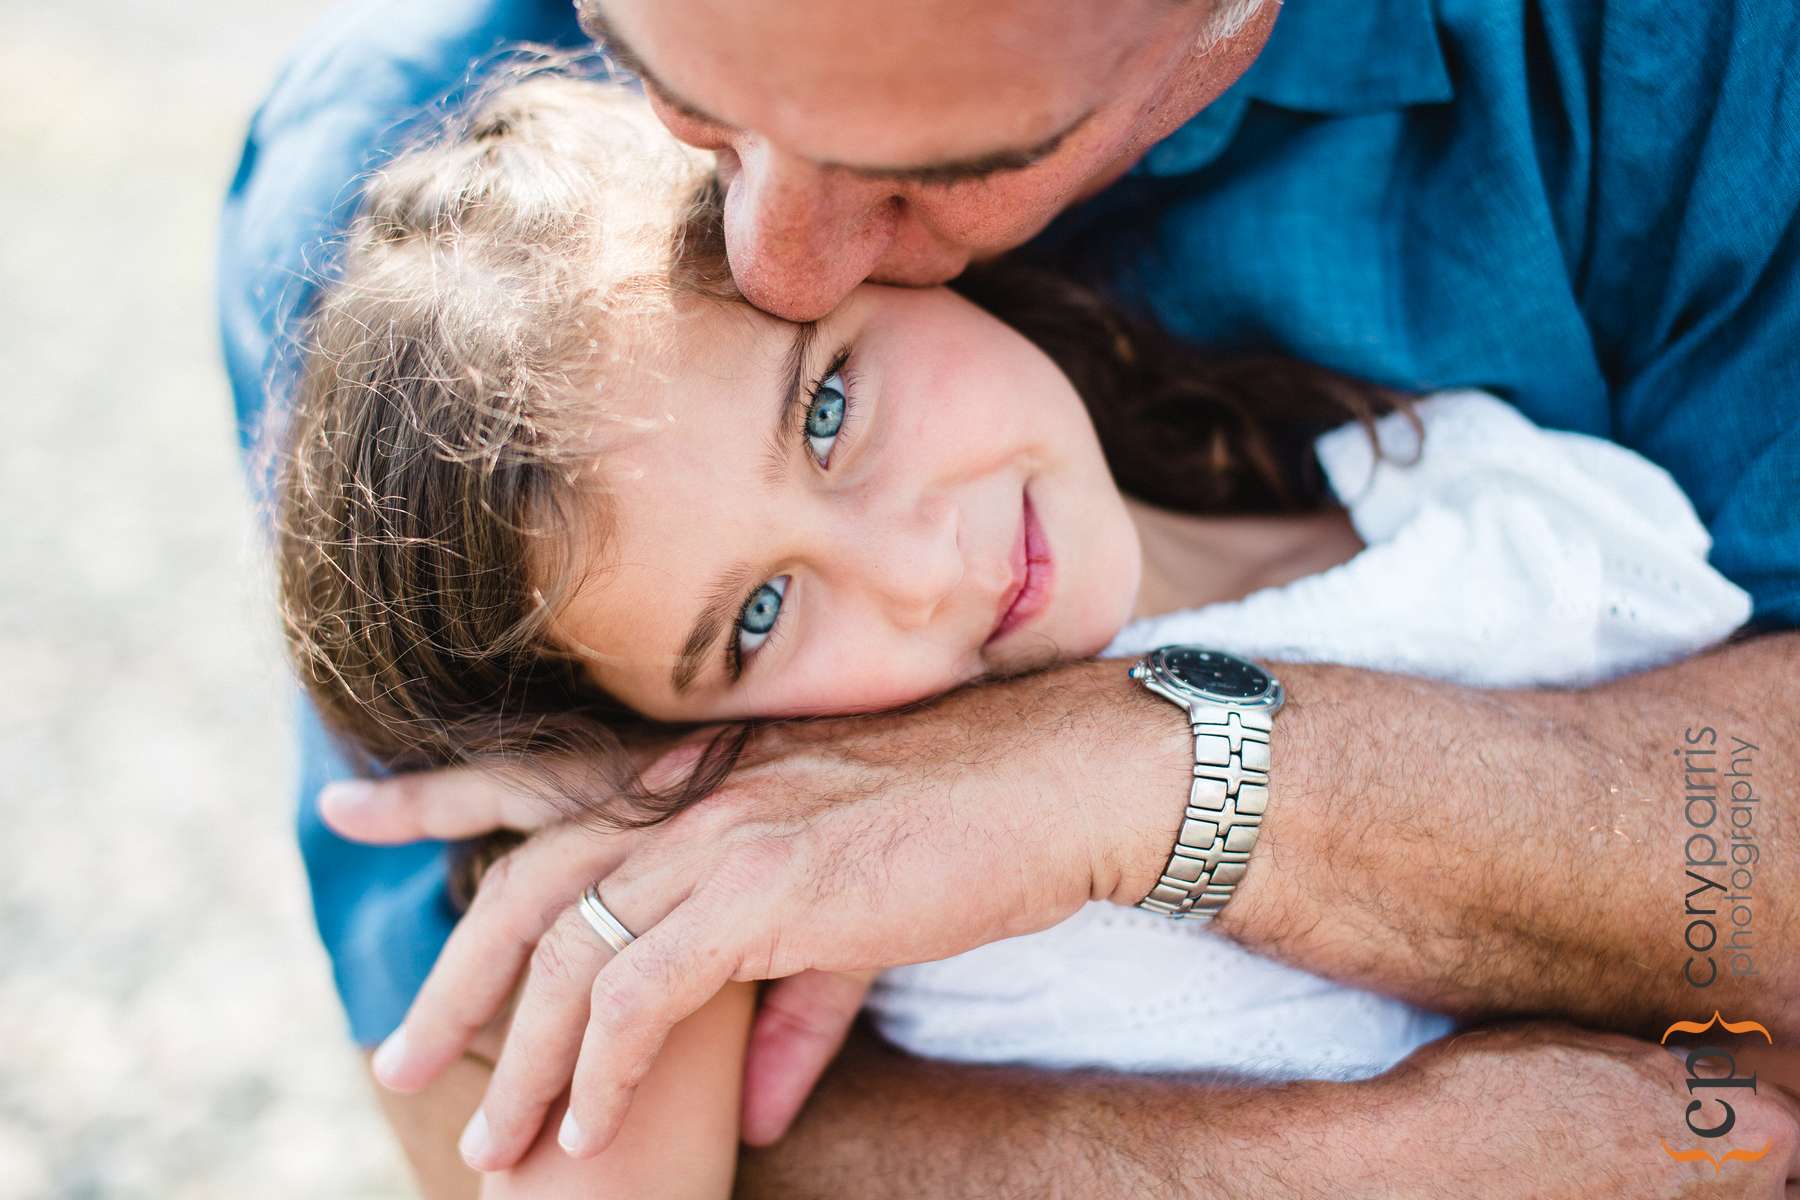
1498 554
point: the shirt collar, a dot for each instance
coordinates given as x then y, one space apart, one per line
1336 57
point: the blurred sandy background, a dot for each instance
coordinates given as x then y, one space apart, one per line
167 1026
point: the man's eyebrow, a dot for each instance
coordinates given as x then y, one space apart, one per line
957 170
953 170
727 595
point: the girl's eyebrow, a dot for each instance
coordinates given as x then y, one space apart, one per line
794 373
715 617
727 593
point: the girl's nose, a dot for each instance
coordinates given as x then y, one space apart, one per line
912 563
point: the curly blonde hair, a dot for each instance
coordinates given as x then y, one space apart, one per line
438 431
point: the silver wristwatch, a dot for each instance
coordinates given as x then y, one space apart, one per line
1231 704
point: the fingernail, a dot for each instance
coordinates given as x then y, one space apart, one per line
474 1142
569 1136
346 795
389 1056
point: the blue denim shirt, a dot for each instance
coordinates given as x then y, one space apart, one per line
1591 210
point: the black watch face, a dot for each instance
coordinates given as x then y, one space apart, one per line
1222 675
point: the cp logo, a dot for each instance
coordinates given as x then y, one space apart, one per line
1716 1089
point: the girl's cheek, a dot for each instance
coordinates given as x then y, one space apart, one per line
874 681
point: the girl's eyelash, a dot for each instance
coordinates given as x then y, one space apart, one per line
734 654
839 365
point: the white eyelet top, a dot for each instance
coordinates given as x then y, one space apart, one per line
1498 554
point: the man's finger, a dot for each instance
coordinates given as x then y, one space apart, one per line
661 979
800 1026
541 1045
452 803
519 898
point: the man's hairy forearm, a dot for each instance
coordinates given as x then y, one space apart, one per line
883 1124
1495 851
1532 1108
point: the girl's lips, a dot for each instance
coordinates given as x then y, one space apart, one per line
1032 572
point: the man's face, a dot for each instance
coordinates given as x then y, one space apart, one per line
897 142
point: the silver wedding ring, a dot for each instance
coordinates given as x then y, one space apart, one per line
611 930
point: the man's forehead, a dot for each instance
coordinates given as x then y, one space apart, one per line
827 79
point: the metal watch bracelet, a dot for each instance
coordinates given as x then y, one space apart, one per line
1223 815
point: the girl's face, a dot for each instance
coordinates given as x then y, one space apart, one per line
843 516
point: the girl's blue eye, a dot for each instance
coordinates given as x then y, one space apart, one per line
757 618
825 416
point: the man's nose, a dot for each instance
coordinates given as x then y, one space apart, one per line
799 236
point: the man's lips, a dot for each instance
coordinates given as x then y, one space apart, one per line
1032 570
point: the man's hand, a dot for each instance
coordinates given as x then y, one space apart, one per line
1540 1110
1478 852
836 846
